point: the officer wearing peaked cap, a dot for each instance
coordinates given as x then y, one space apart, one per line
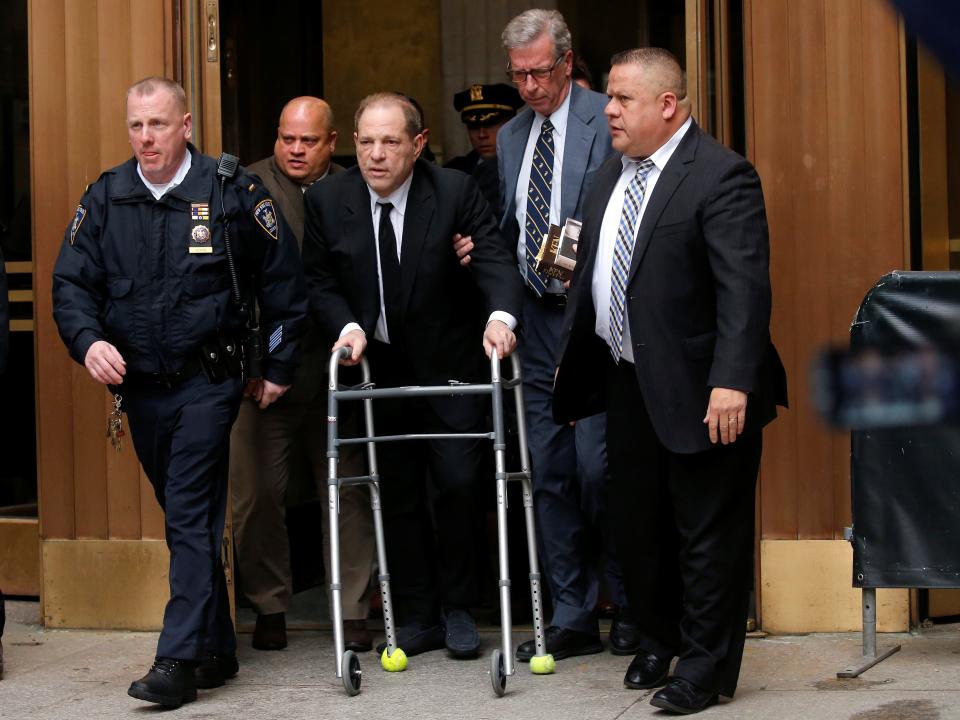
145 297
484 109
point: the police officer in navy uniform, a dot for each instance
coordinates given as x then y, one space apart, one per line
484 109
144 297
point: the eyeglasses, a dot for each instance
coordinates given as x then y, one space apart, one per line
519 77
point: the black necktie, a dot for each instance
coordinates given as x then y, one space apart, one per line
389 273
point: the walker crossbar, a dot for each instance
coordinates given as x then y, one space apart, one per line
415 391
417 436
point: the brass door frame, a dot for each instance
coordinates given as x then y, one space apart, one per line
707 46
200 70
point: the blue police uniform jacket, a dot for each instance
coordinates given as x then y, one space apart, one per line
151 276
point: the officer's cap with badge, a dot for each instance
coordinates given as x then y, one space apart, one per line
484 105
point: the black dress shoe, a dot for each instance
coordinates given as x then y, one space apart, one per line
169 682
414 640
624 635
214 670
562 643
270 632
646 671
461 637
683 697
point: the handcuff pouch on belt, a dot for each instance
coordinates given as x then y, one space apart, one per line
221 358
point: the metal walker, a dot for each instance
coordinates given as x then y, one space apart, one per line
393 659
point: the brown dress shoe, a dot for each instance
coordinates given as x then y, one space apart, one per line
356 636
270 632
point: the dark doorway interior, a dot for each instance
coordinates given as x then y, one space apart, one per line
268 58
18 453
601 28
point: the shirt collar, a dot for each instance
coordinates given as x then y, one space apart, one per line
398 198
663 154
559 116
158 190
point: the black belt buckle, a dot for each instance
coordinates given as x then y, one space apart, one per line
554 301
163 379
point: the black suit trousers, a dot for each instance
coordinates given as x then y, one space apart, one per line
428 491
684 528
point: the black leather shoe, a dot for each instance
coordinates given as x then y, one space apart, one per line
214 670
414 640
461 636
270 632
169 682
646 671
624 635
562 643
682 697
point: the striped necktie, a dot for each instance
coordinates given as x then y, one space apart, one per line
538 205
623 253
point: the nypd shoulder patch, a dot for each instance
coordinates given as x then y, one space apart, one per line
266 216
77 222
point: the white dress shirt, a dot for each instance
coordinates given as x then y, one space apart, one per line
158 190
398 198
602 270
559 120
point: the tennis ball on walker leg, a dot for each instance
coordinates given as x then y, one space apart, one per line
542 664
396 662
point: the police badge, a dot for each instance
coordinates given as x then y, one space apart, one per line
267 217
200 240
200 236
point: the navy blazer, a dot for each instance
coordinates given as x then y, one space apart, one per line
698 298
586 145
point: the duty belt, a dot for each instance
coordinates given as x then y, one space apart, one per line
191 369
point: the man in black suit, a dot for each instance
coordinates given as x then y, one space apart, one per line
668 329
384 280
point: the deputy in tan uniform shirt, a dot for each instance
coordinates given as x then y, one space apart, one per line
262 440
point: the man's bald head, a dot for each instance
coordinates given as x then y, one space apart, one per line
314 108
305 139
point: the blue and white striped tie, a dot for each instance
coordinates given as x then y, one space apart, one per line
538 205
623 253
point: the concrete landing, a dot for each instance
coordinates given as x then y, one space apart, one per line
85 674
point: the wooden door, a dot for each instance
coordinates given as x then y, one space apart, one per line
104 562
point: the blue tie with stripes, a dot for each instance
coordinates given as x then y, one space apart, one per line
538 205
623 253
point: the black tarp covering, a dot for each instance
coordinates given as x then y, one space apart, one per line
906 481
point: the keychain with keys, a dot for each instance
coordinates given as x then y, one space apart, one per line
115 423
